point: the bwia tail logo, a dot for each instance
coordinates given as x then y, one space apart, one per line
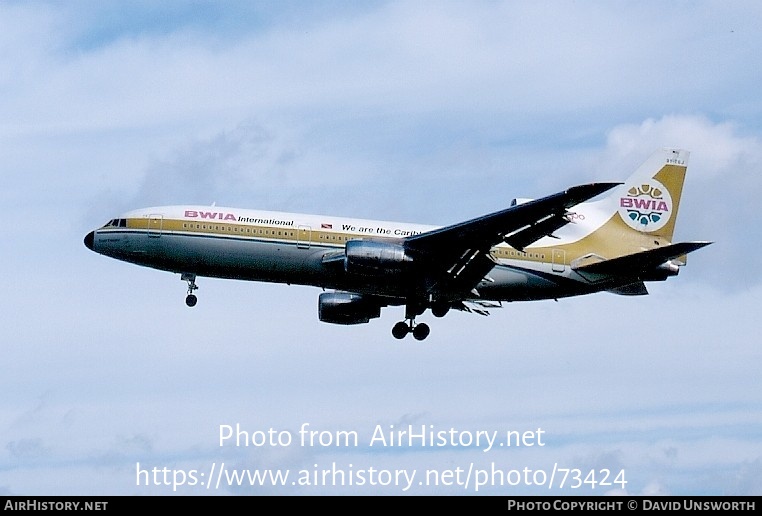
646 207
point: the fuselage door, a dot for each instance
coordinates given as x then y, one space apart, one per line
303 236
559 259
155 223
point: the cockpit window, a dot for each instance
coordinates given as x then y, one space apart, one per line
116 223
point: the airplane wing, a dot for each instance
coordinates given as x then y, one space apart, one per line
461 252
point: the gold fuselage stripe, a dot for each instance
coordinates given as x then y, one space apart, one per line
299 235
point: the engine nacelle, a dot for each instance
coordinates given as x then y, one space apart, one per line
662 272
346 308
371 257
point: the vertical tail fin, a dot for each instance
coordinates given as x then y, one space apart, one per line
630 232
649 199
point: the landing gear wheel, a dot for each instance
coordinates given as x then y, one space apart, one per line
421 331
191 298
400 330
440 309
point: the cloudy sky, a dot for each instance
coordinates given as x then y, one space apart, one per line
430 112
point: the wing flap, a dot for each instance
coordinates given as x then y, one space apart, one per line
476 307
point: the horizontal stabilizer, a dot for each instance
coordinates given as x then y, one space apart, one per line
643 261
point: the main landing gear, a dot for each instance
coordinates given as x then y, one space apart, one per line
402 328
439 308
191 298
419 331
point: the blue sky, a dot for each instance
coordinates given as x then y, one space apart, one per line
412 111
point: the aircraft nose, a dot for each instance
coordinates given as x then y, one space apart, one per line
89 240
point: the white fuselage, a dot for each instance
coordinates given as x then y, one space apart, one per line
297 249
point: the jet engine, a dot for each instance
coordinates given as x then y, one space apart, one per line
371 258
346 308
662 272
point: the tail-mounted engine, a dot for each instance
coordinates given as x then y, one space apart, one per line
662 272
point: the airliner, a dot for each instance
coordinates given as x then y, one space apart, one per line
565 244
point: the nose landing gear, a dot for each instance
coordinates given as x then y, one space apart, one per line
191 298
